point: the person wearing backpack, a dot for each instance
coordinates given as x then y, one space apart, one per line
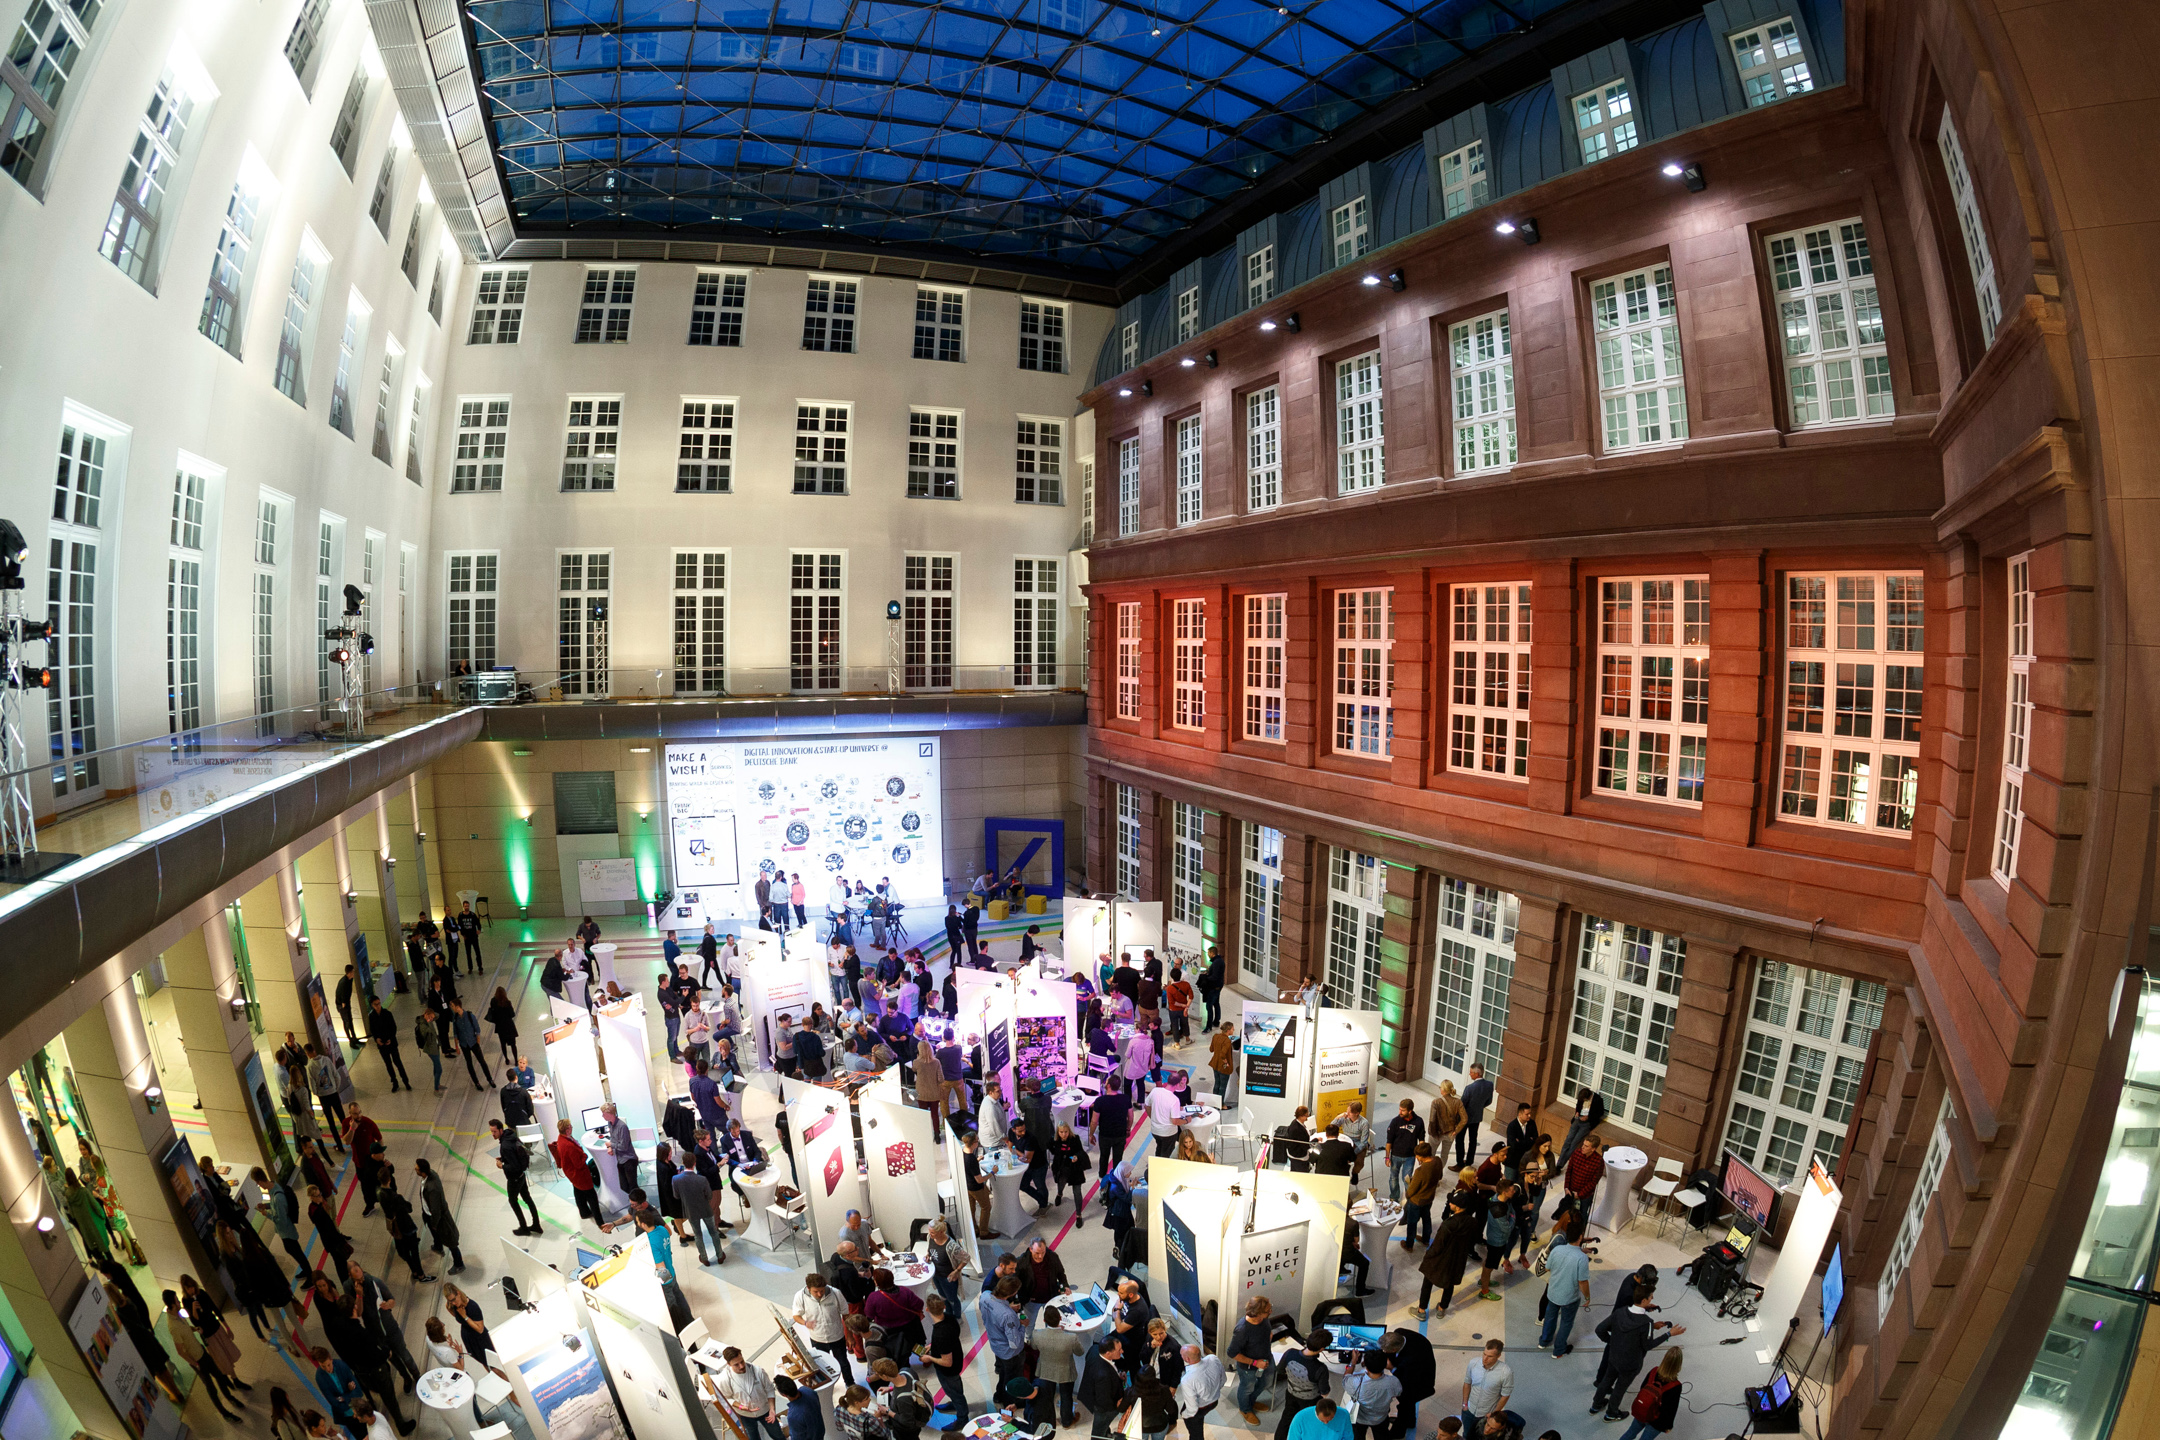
1500 1218
1657 1404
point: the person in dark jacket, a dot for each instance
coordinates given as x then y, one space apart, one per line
1410 1360
517 1104
1522 1138
468 929
1042 1273
435 1210
1476 1097
1102 1387
805 1417
1303 1377
503 1016
1629 1335
552 976
465 1029
1589 1114
512 1160
1211 987
1069 1168
1461 1227
343 998
1113 1127
382 1029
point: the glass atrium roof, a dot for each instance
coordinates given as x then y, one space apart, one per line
1076 134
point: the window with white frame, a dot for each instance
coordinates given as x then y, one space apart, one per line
717 305
352 340
926 621
1489 681
299 326
386 397
1605 121
1473 967
483 438
302 45
1126 839
1264 650
581 629
821 448
1188 470
1653 688
443 262
370 551
592 433
1042 337
1636 320
1039 462
1035 607
1934 1161
1129 345
2017 720
416 415
74 539
409 264
226 295
604 308
1772 62
1357 912
499 307
705 458
933 455
1350 227
1260 276
1188 664
1260 905
35 69
131 229
326 560
1464 185
1263 448
385 186
701 622
1802 1055
1965 200
1481 373
1837 362
1188 314
345 130
408 565
1128 660
470 614
1087 503
817 601
829 316
940 324
1365 673
183 603
1128 486
269 523
1855 672
1188 863
1360 459
1627 1001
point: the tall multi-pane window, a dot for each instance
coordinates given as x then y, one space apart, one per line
1188 314
183 603
306 37
345 130
1463 183
1802 1056
592 434
1934 1161
435 287
1350 228
483 438
821 449
1188 664
1087 503
1772 62
1127 839
1264 650
74 538
817 598
604 308
1855 671
1360 460
34 72
470 615
581 629
1129 345
308 267
1035 606
1039 462
1042 337
415 418
1489 680
409 262
1188 864
716 307
325 606
498 315
829 316
1481 373
386 397
926 635
1837 362
1473 966
1188 470
933 455
701 622
269 518
351 341
1627 1001
940 324
1605 121
1637 322
1263 448
1128 660
226 295
1357 909
1965 199
385 186
2017 719
408 565
1653 688
131 229
1365 673
1260 276
1260 906
705 458
1128 486
370 553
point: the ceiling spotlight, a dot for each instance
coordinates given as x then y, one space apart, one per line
1188 362
355 597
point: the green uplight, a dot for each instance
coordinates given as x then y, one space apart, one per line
517 852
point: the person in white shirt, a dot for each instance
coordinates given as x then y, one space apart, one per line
1486 1387
749 1393
1199 1389
990 1119
819 1310
1166 1114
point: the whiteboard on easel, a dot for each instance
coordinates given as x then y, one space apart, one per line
607 880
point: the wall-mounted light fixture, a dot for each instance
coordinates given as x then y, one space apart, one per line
1147 387
45 1229
351 899
239 1004
1210 359
521 752
1124 392
1393 279
1689 174
152 1097
641 749
1288 322
301 941
1526 228
1187 363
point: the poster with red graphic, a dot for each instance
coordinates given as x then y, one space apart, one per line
899 1159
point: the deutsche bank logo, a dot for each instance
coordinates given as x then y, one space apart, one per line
924 748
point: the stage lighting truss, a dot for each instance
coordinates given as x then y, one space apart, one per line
347 646
18 634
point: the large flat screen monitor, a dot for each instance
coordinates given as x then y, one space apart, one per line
1747 1190
1833 1287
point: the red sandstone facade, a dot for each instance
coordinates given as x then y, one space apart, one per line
2037 444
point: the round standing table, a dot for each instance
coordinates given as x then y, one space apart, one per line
1200 1122
1065 1105
1376 1222
910 1273
758 1190
1005 1212
444 1389
1614 1204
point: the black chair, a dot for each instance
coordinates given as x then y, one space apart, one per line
1328 1312
917 1229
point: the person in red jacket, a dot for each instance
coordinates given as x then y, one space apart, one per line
1584 1169
570 1159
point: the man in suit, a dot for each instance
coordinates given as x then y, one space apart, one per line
1477 1096
1334 1155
